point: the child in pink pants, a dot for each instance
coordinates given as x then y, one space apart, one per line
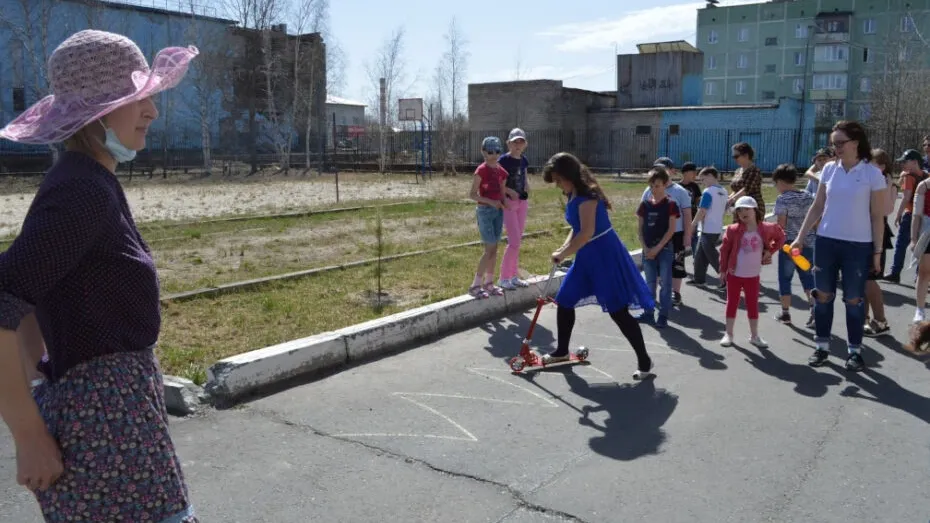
515 213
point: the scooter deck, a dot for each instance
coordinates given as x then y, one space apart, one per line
520 365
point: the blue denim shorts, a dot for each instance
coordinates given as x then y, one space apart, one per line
490 224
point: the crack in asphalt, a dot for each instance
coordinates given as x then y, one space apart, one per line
786 499
518 497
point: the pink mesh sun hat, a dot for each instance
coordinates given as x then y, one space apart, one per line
91 74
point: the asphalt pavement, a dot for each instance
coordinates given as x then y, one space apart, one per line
444 432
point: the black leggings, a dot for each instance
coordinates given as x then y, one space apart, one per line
565 320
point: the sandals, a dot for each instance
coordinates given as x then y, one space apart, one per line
477 292
493 290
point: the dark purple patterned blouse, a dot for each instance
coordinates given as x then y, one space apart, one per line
82 265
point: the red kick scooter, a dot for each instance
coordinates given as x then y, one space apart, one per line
528 359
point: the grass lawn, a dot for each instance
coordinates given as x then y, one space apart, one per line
197 333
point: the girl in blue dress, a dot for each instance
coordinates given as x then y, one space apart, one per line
603 272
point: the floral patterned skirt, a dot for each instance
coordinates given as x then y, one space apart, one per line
109 418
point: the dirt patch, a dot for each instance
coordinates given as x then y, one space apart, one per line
193 200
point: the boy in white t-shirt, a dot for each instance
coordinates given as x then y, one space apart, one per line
709 221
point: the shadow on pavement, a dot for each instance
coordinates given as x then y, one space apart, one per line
680 342
807 381
506 336
884 390
636 413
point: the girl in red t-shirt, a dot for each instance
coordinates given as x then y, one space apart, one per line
489 191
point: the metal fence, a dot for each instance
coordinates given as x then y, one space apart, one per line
604 151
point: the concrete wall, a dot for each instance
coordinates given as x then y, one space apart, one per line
704 135
532 105
634 138
659 79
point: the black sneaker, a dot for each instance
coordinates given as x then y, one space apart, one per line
783 317
695 283
676 298
811 322
854 363
893 278
818 358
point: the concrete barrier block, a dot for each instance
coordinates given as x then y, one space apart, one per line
237 375
384 334
465 311
182 396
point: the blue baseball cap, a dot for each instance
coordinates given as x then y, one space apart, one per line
491 144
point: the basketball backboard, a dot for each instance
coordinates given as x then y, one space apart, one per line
410 109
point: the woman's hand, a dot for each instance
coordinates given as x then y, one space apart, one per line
558 256
796 244
38 459
877 262
767 257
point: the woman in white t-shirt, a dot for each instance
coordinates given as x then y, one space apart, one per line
850 203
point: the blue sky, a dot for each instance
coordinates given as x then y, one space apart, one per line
553 39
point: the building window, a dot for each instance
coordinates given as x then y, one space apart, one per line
711 62
742 62
643 129
830 81
867 57
674 129
837 108
907 24
831 53
768 95
800 31
799 58
865 111
834 26
798 85
712 37
17 55
771 41
19 99
865 84
710 88
868 26
743 35
741 87
770 68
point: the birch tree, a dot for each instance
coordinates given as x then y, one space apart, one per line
388 63
310 68
254 16
29 22
210 79
450 75
899 97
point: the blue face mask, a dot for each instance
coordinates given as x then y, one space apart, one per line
120 152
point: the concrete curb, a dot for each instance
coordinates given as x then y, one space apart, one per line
232 378
182 396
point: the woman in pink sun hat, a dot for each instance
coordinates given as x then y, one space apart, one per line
79 285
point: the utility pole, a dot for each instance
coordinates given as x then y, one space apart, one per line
383 120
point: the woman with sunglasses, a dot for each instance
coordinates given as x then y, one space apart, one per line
747 181
851 202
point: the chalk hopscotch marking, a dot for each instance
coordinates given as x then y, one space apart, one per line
466 435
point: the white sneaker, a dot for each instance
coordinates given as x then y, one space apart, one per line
517 282
507 285
919 316
726 341
758 342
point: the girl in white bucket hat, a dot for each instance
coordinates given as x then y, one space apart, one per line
79 284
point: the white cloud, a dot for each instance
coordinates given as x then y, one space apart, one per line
655 24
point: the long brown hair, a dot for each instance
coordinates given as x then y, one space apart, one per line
88 139
568 167
759 216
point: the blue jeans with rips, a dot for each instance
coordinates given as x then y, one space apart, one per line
831 256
